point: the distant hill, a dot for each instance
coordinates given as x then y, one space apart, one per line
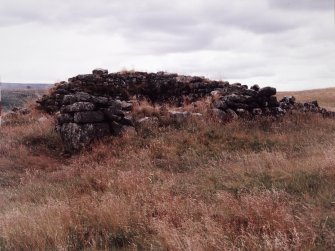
20 86
17 95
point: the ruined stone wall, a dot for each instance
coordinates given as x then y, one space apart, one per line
156 87
255 102
95 105
98 104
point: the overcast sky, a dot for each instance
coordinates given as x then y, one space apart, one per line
289 44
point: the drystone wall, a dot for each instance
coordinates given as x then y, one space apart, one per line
95 105
255 102
156 87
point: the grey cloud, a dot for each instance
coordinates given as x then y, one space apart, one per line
166 16
54 12
271 40
166 30
327 5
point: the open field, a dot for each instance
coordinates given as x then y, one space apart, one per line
19 97
198 185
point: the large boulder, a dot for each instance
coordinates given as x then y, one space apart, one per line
77 137
267 91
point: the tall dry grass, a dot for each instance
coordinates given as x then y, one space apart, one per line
197 185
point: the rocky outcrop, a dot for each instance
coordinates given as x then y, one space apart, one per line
94 105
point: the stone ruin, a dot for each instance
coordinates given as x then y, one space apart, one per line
94 105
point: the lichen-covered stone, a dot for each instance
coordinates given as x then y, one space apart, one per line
69 99
78 107
83 97
100 100
79 136
63 118
88 117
